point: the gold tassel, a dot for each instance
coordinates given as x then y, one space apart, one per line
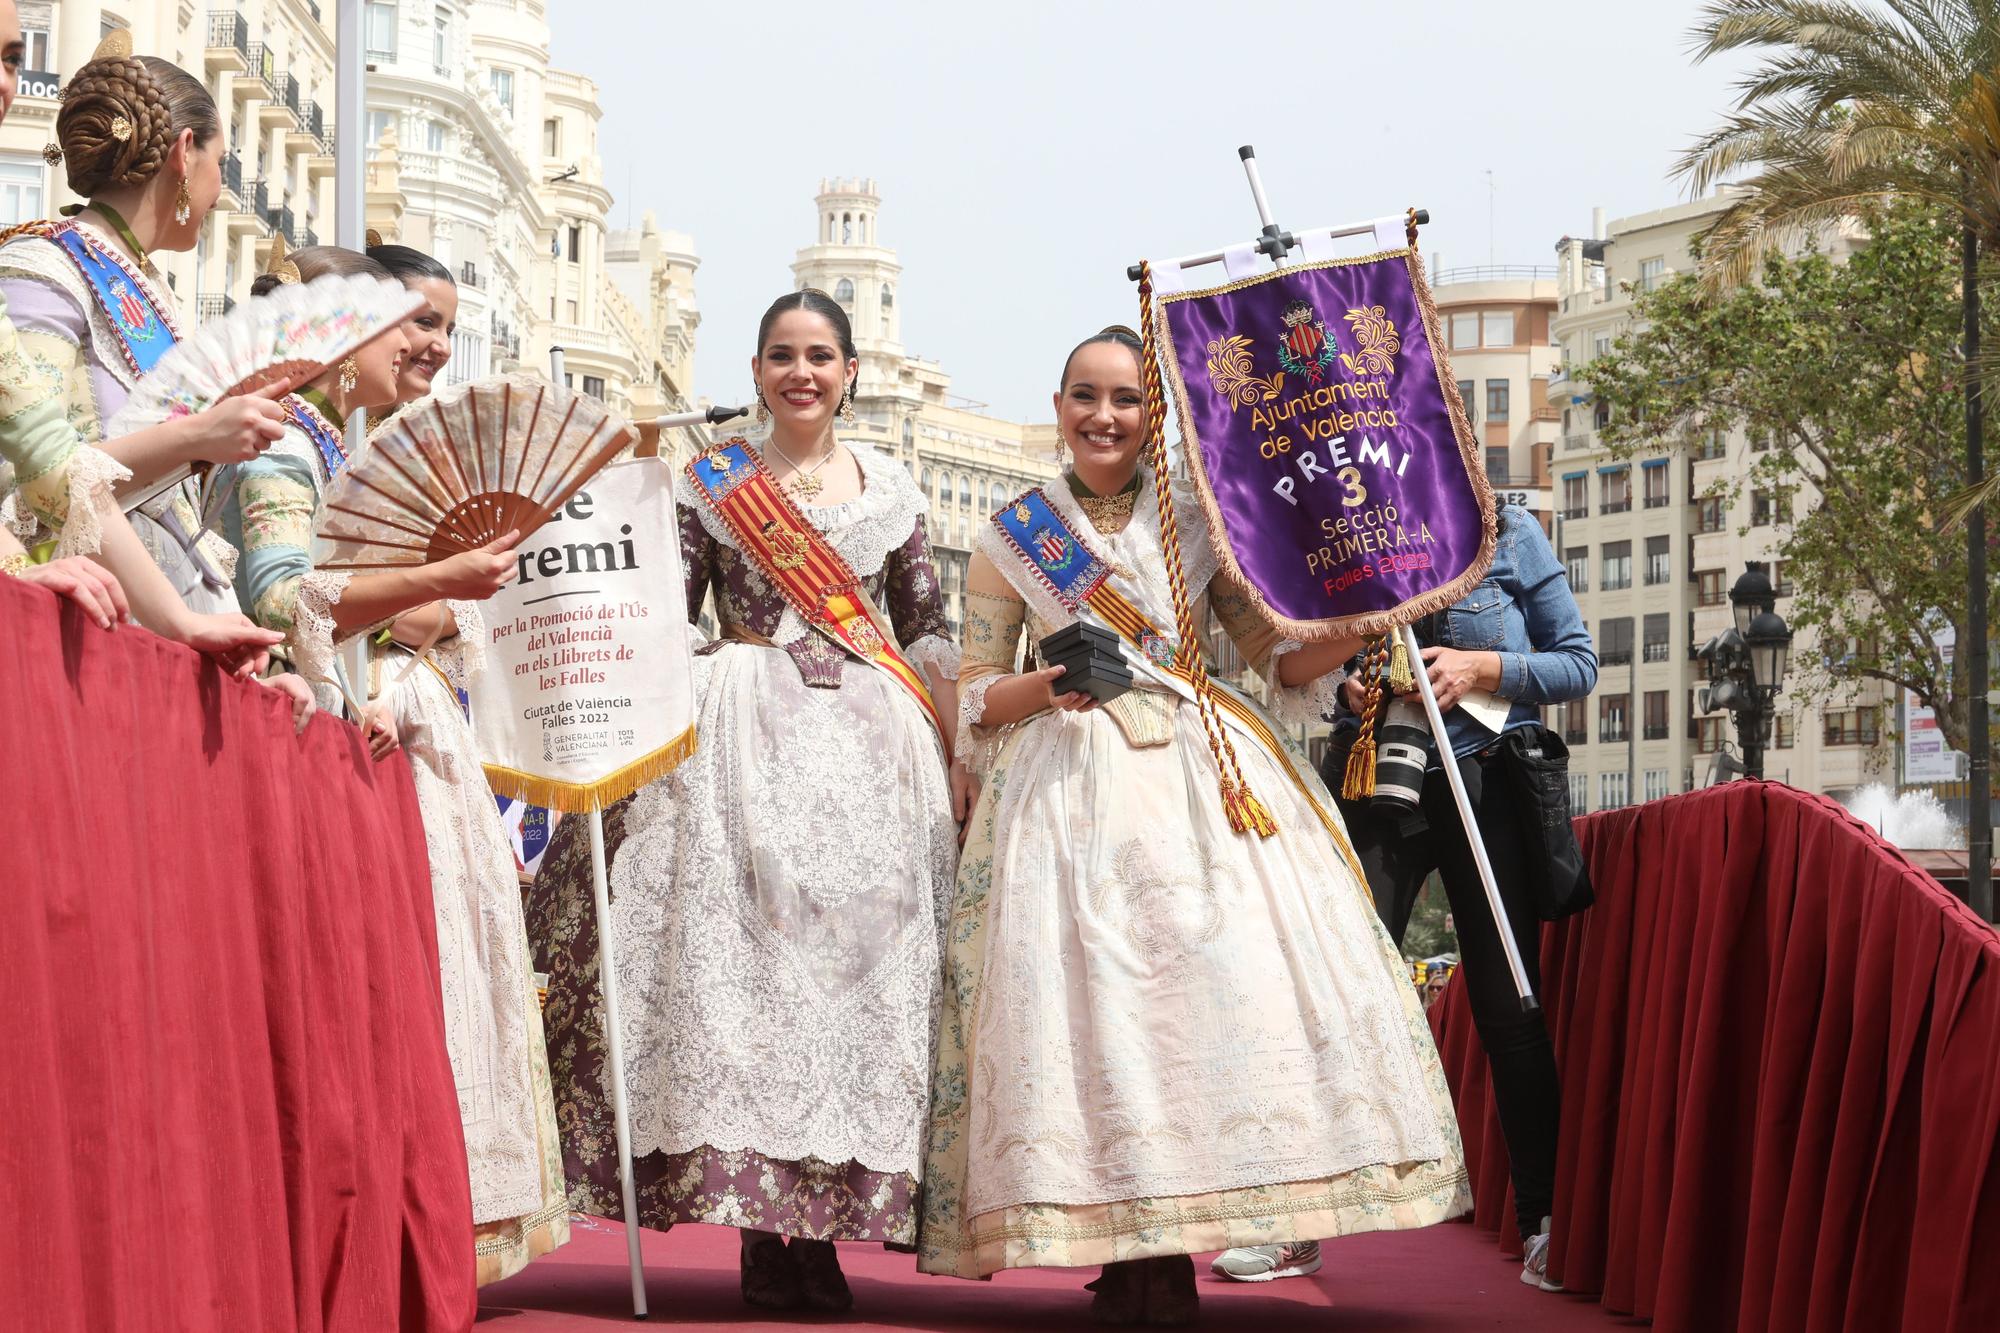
1359 782
1402 679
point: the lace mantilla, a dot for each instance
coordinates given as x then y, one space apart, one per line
864 530
1309 705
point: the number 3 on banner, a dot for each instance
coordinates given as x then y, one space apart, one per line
1352 491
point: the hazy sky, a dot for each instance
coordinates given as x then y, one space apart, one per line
1027 152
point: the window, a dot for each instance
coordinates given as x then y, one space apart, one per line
36 55
379 124
1652 272
1710 589
1761 442
1708 734
1781 579
551 137
1656 784
888 297
1465 398
1853 726
1763 509
1579 794
1600 346
1499 328
434 136
1656 647
1659 560
440 41
1615 490
1617 566
1785 732
594 386
1657 728
1614 641
1600 416
1496 464
1577 721
21 189
1496 400
575 246
1464 331
964 489
1710 513
570 306
1656 485
503 87
843 292
927 486
379 20
1611 791
1576 496
1576 563
1710 446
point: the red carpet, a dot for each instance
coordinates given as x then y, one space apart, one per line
1447 1277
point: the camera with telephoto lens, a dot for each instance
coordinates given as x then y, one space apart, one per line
1402 752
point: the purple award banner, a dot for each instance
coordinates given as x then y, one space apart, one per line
1332 454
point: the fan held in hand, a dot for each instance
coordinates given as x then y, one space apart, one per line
290 336
456 470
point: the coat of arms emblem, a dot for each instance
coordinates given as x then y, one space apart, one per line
131 309
1052 547
788 549
1305 349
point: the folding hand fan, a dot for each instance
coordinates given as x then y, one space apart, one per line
291 335
458 469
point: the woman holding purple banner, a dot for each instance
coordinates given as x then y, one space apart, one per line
1162 1034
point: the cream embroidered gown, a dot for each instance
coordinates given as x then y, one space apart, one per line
1161 1036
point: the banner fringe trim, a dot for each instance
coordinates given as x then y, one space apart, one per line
580 798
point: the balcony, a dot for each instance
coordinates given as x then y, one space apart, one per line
232 183
1577 443
228 43
274 114
282 222
249 85
1576 735
469 276
1613 733
1616 506
213 307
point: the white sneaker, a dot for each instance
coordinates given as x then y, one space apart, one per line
1535 1261
1263 1263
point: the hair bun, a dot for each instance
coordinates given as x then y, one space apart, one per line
114 128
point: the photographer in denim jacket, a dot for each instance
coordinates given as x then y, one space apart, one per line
1513 646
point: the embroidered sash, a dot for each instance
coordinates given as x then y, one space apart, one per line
143 329
326 437
1080 580
797 558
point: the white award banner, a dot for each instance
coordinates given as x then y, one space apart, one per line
588 689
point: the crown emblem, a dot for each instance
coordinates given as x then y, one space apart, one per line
1297 313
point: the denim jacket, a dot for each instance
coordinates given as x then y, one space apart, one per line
1525 610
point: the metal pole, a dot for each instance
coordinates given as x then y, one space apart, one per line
614 1041
556 371
1449 760
350 213
1632 728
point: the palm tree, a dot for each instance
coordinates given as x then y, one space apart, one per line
1852 105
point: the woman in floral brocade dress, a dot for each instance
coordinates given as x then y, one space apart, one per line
777 900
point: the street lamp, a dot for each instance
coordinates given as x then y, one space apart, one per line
1746 664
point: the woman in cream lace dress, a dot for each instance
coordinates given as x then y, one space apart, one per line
1160 1036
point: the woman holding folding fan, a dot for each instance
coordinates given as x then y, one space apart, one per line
139 139
493 1022
778 897
269 503
1171 1020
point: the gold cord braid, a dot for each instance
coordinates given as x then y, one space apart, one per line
1246 813
1358 782
114 128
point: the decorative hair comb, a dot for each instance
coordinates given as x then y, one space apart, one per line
372 239
117 45
279 267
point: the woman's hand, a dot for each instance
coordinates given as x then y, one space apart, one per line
378 728
242 647
301 695
238 429
1074 701
1454 674
84 582
964 796
473 576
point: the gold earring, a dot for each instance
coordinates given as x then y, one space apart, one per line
847 405
350 375
1062 450
183 205
763 413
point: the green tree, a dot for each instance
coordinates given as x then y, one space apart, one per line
1849 372
1854 105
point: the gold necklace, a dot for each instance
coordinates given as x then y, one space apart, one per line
1107 513
804 482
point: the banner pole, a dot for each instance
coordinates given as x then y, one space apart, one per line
607 980
1529 1003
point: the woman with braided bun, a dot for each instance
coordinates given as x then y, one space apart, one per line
1172 1022
140 139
